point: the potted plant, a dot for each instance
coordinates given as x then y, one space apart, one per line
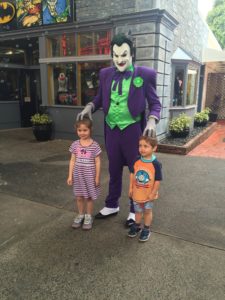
42 126
179 127
215 108
201 118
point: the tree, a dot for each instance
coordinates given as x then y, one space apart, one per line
216 21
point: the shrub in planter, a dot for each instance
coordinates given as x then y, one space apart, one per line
42 126
201 118
180 126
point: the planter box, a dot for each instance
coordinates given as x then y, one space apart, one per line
42 132
200 124
166 148
213 117
181 134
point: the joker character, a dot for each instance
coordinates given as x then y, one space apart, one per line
123 93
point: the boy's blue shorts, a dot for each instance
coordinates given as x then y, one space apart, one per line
141 207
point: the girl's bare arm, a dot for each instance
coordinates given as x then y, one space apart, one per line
71 166
98 169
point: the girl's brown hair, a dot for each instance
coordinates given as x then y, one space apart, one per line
151 141
87 122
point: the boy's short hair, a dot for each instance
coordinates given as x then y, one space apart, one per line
151 141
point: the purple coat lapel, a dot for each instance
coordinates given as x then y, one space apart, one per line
136 98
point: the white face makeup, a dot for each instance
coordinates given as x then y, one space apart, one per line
122 57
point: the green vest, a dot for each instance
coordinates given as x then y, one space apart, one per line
118 114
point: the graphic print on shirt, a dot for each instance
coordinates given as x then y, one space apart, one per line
142 177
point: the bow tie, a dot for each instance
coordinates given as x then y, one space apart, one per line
118 78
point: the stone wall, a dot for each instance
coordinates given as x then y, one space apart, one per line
98 9
191 33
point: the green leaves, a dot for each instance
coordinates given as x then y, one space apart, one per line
216 21
40 119
180 123
203 115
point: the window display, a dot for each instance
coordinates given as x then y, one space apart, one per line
178 86
62 45
76 82
64 85
94 43
191 87
10 55
90 80
66 90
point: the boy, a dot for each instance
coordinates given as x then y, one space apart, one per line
145 180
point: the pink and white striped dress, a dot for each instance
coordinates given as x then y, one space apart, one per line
84 170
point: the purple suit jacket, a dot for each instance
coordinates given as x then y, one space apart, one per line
137 96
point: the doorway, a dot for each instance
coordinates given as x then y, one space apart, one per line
29 95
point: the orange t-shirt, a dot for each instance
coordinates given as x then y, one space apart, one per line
145 174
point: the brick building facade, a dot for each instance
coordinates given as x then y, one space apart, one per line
80 47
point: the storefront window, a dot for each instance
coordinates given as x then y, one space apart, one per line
12 56
64 87
9 85
89 74
62 45
62 81
75 81
94 43
178 93
191 87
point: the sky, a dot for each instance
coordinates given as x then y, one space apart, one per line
204 6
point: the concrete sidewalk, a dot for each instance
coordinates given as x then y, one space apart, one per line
42 257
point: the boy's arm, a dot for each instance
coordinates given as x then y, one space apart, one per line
98 168
131 185
154 191
71 166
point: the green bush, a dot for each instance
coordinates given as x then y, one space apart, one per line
40 119
202 116
180 123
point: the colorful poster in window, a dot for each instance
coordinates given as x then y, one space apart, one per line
7 15
28 13
56 11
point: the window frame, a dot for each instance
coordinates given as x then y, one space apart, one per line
185 65
76 59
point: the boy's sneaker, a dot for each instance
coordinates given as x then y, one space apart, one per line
78 221
145 234
88 220
133 230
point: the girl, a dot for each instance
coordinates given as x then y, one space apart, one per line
84 173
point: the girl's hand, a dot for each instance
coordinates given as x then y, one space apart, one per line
69 181
97 182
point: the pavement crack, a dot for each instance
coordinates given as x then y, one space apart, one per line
189 241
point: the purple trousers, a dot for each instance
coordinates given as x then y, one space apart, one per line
122 150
